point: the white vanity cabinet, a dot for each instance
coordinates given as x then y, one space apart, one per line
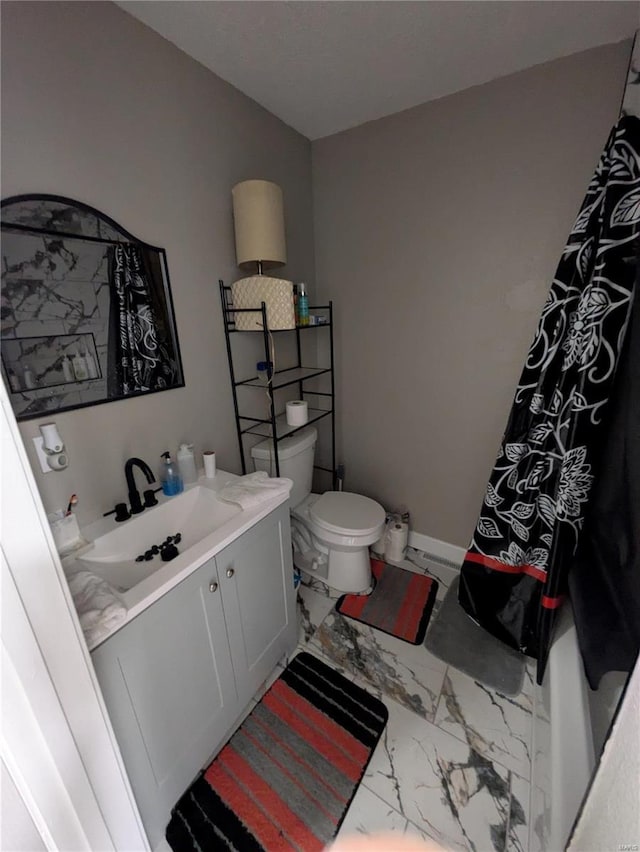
177 677
259 603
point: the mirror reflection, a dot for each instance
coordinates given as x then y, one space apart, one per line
86 311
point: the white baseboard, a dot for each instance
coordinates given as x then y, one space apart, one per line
440 549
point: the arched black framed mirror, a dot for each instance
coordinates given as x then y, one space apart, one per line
87 315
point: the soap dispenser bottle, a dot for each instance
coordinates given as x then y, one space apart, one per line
170 478
187 464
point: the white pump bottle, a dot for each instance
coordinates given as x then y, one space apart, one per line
187 464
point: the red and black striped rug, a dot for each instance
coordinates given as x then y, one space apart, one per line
400 604
286 778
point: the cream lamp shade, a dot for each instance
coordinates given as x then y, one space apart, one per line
258 216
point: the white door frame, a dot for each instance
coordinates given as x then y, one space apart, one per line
57 740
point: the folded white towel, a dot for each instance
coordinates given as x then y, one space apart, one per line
254 489
97 604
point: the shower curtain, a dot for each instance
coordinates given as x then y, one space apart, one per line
138 361
514 576
604 578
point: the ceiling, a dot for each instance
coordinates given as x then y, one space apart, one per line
323 67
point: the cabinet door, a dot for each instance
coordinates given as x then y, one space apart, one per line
256 575
169 686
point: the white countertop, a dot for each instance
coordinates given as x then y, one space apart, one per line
169 574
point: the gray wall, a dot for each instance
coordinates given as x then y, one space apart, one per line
99 108
437 232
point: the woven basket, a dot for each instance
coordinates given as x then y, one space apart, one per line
275 292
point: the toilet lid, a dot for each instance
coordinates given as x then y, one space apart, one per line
343 512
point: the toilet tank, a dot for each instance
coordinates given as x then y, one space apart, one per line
295 455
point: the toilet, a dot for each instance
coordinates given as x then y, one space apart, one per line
331 532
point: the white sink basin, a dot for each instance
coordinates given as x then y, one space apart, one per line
195 514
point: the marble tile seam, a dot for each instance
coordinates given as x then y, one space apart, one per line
393 795
420 830
465 741
520 776
520 825
442 726
437 704
508 823
361 681
410 824
363 783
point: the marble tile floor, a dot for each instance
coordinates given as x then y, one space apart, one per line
453 764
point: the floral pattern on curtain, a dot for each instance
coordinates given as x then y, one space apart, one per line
514 576
142 360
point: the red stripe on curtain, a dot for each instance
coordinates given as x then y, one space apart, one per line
496 565
552 603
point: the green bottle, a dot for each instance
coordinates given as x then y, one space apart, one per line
303 305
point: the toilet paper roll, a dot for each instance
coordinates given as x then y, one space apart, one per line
209 459
297 412
397 539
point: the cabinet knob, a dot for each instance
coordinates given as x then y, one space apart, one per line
230 572
213 586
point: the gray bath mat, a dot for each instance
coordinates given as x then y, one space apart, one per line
458 641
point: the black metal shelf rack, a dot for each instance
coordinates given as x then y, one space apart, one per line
276 426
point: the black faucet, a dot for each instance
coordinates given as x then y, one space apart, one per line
134 496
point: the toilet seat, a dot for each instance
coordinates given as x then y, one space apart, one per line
347 514
326 548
